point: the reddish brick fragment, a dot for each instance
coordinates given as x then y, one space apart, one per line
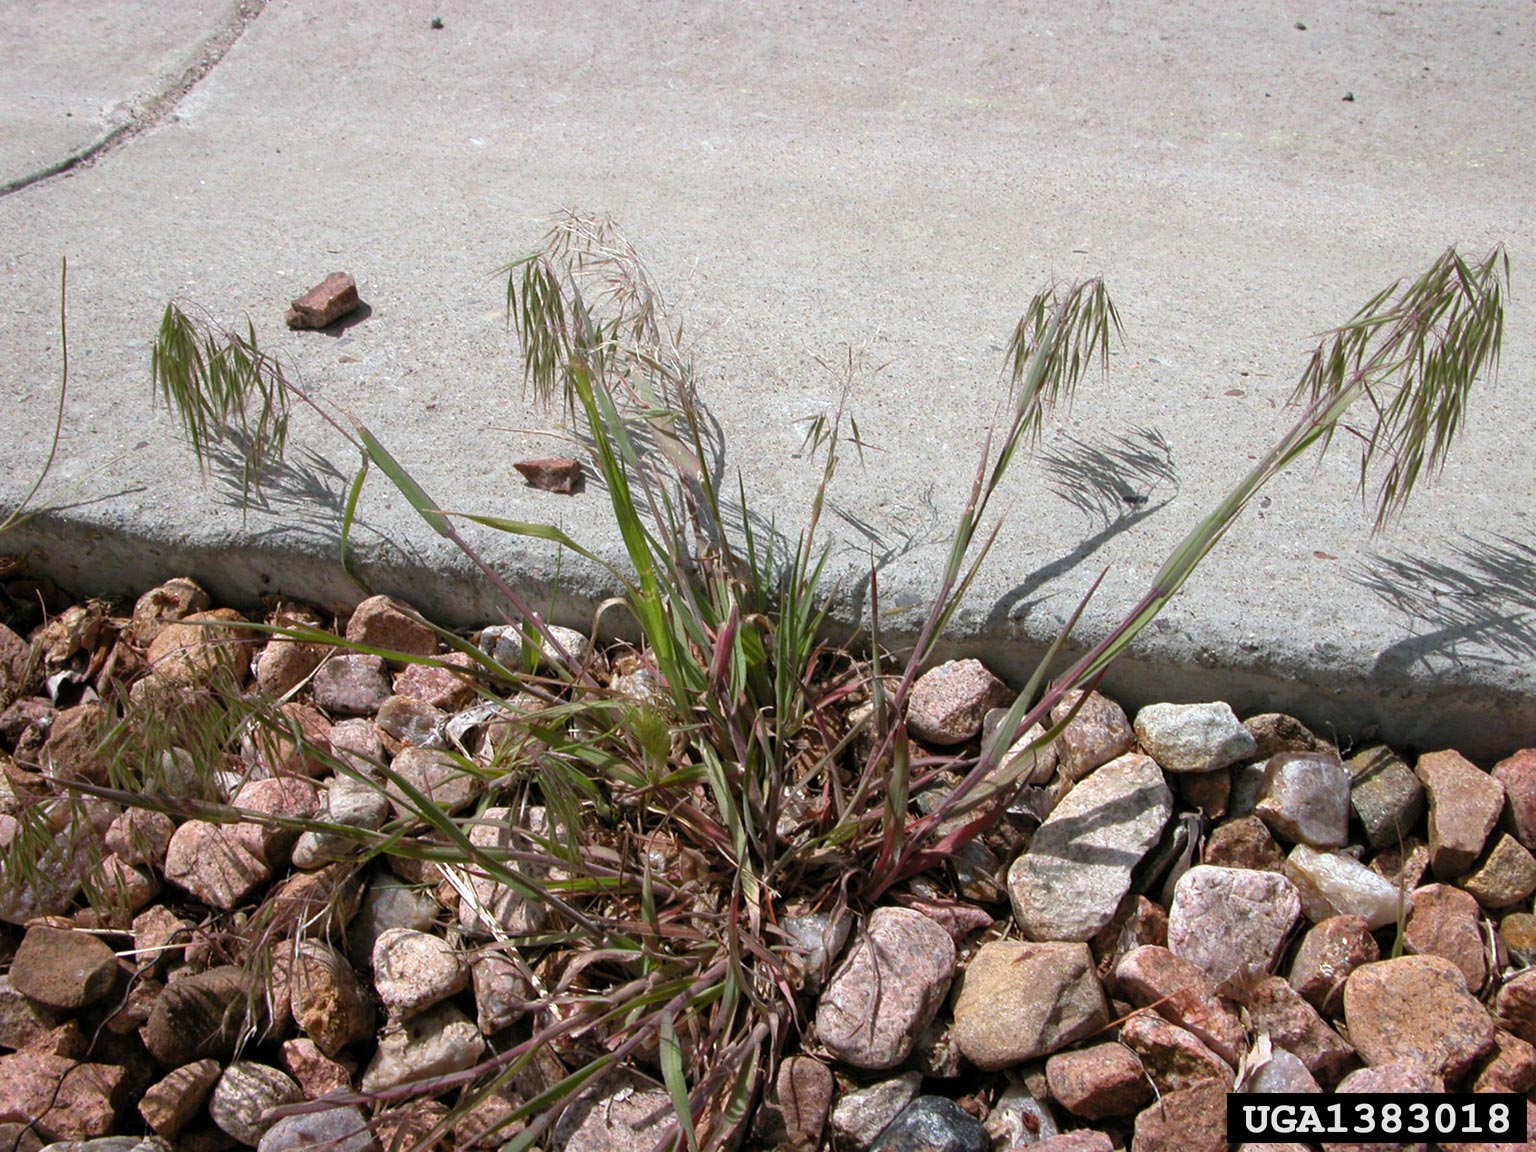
325 303
552 474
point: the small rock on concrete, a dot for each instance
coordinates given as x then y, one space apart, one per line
1332 884
1078 867
1507 875
244 1093
1416 1008
1464 805
1231 920
1445 922
1173 1057
1193 737
1104 1080
351 684
438 1042
325 303
948 702
1020 1001
1190 1120
1305 799
1386 796
1180 992
552 474
62 969
1278 1010
933 1124
170 1105
414 970
1099 733
861 1114
886 990
341 1129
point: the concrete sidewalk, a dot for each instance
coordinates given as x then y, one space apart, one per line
802 179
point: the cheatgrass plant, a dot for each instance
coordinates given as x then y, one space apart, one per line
670 838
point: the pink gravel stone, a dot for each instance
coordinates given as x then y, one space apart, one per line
1104 1080
1417 1009
1464 805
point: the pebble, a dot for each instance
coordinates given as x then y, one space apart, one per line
195 651
1099 733
438 1042
284 664
162 605
502 992
1386 796
1510 1067
382 622
316 1073
244 1093
62 1097
1181 993
1332 884
887 989
1190 1120
437 776
173 1102
1082 1140
1020 1001
1275 732
1416 1008
1517 932
411 721
1517 774
1464 805
22 1020
1278 1010
1281 1072
1078 867
1446 922
503 643
290 797
388 902
861 1114
1506 876
327 302
1305 799
1399 1077
1173 1057
412 971
341 1129
350 801
1329 952
948 703
1515 1005
933 1124
1231 920
796 1115
1193 737
440 685
295 743
73 748
198 1016
1019 1118
351 684
1243 843
327 1002
214 864
511 911
622 1114
61 969
141 837
1098 1082
1030 767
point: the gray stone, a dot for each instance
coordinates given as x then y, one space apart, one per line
198 1016
502 992
351 684
1021 1001
437 776
244 1093
1386 796
1231 920
886 990
389 902
1282 1072
933 1124
1020 1119
438 1042
861 1114
1193 737
1078 867
1305 799
412 971
499 908
411 721
342 1129
350 801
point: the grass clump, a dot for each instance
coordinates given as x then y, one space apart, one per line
685 807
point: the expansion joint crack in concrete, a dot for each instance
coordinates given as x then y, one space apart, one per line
148 110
